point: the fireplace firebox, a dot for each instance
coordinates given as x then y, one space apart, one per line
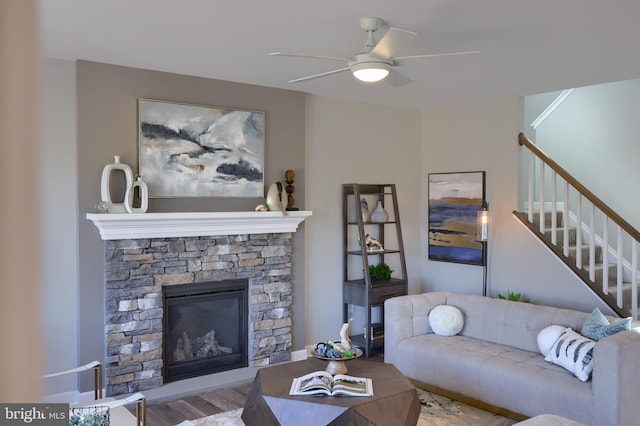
205 328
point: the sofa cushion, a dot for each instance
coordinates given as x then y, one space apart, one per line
548 336
574 353
598 326
510 323
495 374
446 320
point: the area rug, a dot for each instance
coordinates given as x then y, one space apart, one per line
436 410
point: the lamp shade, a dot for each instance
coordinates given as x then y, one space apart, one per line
482 222
370 72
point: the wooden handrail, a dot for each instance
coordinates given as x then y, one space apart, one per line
615 217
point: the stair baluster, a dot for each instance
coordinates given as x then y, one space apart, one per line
542 227
554 209
605 254
597 245
619 267
592 244
579 233
565 250
634 278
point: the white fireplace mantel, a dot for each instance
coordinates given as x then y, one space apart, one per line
126 226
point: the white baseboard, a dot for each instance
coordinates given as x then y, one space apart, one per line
301 354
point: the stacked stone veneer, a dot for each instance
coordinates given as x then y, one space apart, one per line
136 271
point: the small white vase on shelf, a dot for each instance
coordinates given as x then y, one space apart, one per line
364 210
379 214
144 197
105 188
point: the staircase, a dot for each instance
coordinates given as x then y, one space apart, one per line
598 245
609 296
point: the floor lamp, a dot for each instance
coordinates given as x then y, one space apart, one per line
482 222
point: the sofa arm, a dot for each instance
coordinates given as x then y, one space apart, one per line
407 316
616 379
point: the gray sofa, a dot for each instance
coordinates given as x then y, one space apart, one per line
495 358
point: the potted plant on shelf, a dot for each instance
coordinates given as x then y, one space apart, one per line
381 271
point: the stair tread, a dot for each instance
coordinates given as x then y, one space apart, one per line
597 271
625 286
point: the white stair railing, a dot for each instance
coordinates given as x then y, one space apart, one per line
581 208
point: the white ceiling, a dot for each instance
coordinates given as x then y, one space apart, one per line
528 46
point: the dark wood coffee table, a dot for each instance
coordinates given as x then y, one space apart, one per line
395 401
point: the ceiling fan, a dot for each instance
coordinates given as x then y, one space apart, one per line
375 61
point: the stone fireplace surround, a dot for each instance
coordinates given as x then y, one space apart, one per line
144 252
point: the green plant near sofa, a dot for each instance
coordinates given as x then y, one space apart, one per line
515 297
380 271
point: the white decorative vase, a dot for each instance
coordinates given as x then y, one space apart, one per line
105 189
277 198
144 197
364 210
379 214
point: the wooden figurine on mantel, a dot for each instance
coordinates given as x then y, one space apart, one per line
290 177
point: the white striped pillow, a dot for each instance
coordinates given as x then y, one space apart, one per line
574 353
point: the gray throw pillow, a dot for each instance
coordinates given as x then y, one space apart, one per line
597 326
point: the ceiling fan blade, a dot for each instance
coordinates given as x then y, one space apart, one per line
293 55
399 59
397 79
318 75
393 41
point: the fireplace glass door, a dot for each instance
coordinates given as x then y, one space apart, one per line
205 328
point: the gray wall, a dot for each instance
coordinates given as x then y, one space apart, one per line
593 135
351 142
535 105
107 126
59 222
483 136
327 142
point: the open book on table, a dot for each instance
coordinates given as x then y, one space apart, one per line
323 383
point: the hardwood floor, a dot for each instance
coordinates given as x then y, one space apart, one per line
194 407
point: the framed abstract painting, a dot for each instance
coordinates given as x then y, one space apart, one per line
200 151
454 201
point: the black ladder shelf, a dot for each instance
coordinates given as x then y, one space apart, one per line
359 288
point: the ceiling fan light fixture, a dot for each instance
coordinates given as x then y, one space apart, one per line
370 72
